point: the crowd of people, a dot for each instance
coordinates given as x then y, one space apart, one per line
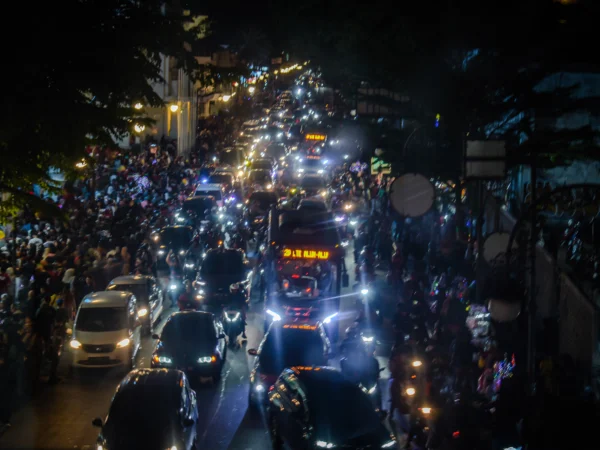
48 264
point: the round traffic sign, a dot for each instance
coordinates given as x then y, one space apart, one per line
412 195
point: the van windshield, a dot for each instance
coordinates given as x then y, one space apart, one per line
101 319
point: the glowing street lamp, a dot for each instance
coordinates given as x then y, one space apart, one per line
138 106
139 128
226 98
251 89
174 108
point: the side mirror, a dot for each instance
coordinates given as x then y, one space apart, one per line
222 336
345 280
155 336
97 422
252 352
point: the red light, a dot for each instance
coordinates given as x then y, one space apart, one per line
456 435
295 275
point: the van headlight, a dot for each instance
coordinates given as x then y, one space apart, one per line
75 344
142 312
124 343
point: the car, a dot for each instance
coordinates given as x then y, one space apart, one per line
313 185
153 409
263 164
285 345
312 204
149 296
317 407
175 238
106 331
259 204
191 341
261 178
225 179
213 190
223 278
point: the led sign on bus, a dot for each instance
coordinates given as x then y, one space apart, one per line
315 137
293 253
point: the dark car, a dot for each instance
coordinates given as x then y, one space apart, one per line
194 210
224 179
285 345
222 279
192 341
317 407
149 296
177 238
313 185
259 204
151 409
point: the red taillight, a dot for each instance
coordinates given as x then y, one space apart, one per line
456 435
295 275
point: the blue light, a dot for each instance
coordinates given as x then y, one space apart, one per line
204 180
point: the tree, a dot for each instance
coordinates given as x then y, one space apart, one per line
79 68
479 66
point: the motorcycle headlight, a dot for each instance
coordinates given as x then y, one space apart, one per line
259 387
182 252
161 252
180 219
339 218
368 390
239 206
389 444
417 363
367 338
364 291
142 312
426 410
232 317
353 222
172 287
410 392
189 265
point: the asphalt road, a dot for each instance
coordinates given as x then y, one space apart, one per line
61 415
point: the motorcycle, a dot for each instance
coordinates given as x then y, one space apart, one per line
363 369
233 322
175 288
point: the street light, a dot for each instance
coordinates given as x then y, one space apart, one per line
174 108
251 89
138 105
139 128
226 98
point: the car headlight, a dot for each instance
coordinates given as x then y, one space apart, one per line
161 252
410 392
339 219
162 359
364 291
389 444
124 343
180 219
142 312
75 344
269 186
426 410
259 387
324 444
276 317
207 359
238 206
367 390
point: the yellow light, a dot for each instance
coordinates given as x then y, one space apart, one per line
276 72
417 363
241 173
81 165
426 410
410 391
290 326
213 359
138 105
75 344
261 77
142 312
251 89
305 254
139 128
226 98
174 108
124 343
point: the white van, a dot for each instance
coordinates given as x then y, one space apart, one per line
107 330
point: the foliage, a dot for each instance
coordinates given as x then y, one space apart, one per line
79 67
478 65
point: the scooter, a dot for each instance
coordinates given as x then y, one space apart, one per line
233 322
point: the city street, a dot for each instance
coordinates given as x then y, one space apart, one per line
61 416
